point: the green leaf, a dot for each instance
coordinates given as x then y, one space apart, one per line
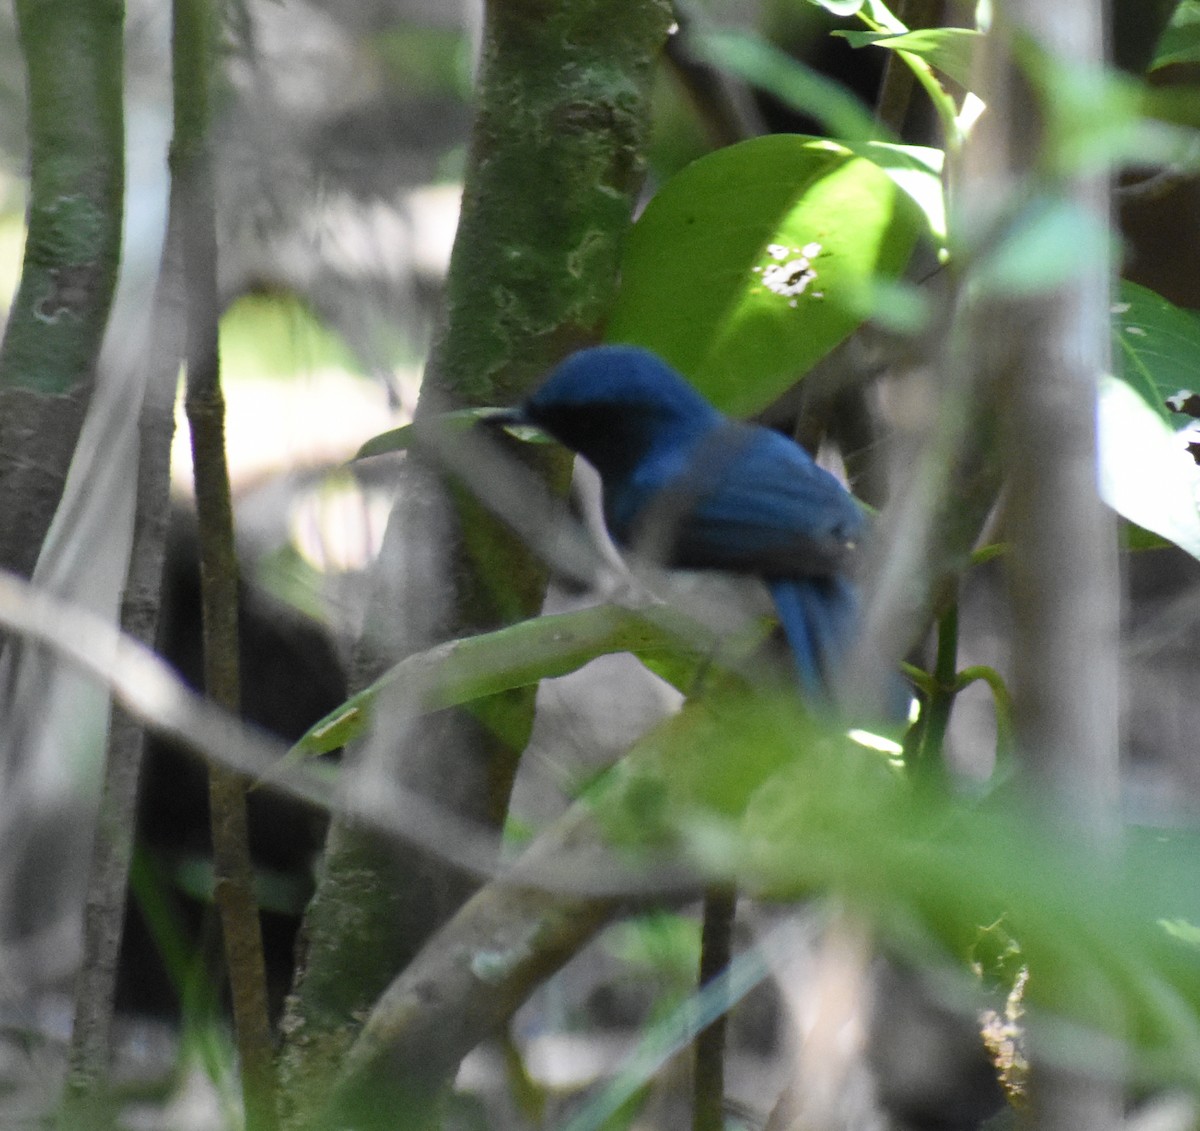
755 261
917 171
1138 539
1156 348
949 49
460 420
1147 474
522 654
838 7
763 65
1180 42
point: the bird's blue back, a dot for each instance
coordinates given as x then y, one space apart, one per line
704 492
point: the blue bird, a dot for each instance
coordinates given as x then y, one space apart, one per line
695 490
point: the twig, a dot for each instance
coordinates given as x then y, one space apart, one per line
898 82
716 950
193 35
108 882
151 691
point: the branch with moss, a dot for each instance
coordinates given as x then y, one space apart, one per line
73 50
511 936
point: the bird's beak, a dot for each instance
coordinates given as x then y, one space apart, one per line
502 417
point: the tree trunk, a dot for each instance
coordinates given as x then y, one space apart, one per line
555 164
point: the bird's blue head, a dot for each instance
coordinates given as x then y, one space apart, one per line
616 404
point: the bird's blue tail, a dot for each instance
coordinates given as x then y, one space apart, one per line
818 615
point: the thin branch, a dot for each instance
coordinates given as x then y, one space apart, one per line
151 691
504 942
108 883
716 951
898 82
193 37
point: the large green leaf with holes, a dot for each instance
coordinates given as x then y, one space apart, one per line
752 263
1156 350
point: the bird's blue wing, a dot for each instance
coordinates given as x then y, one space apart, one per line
743 498
690 488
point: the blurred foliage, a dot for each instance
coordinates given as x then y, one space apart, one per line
661 942
789 809
1180 42
425 59
795 84
677 137
948 49
747 267
758 791
276 335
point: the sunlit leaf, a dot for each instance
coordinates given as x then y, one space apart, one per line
1146 472
949 49
917 171
755 261
838 7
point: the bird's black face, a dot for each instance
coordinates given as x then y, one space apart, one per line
611 437
615 404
